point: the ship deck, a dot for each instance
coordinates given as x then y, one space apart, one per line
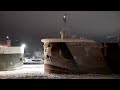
67 40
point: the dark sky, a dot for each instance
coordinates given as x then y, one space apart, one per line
30 26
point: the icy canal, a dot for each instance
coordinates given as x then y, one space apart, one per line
37 72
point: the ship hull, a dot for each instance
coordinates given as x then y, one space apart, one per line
74 56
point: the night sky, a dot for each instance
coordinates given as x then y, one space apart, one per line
31 26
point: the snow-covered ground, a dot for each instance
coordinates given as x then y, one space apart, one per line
37 72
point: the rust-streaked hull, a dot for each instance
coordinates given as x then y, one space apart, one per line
66 56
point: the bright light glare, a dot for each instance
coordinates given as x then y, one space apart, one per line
22 48
23 45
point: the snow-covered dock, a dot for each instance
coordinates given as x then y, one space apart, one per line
37 72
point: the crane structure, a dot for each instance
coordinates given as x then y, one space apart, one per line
114 36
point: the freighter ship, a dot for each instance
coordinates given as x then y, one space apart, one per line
78 55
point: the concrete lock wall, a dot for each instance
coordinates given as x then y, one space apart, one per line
10 62
11 58
61 57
